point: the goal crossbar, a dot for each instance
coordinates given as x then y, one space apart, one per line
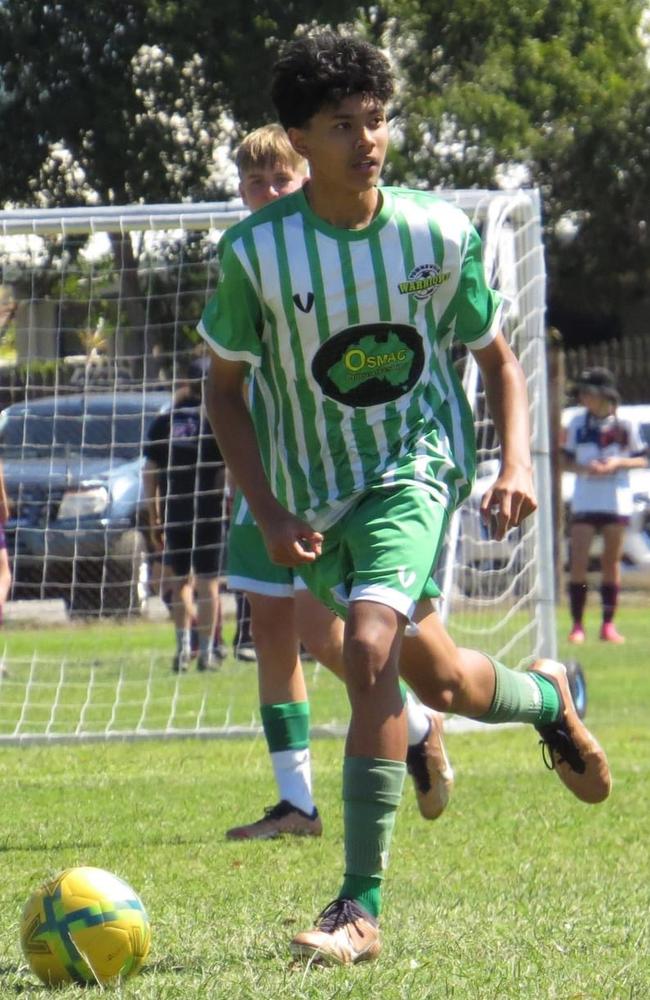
498 596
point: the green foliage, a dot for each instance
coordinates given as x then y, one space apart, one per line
127 102
140 95
134 91
559 89
38 372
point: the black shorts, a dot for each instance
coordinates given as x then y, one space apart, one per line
194 547
599 520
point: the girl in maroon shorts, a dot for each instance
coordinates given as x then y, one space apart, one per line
601 448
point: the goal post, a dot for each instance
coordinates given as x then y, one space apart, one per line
500 596
99 307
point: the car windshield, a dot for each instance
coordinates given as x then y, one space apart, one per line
33 434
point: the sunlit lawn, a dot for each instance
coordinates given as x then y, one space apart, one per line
518 891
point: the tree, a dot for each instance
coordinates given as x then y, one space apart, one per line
123 102
551 92
126 101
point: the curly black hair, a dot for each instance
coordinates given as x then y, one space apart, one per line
321 69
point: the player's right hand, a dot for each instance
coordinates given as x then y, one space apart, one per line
291 541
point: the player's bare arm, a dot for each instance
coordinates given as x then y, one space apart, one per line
511 498
289 540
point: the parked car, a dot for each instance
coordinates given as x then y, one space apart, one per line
636 542
73 472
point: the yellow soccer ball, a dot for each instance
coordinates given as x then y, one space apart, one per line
84 926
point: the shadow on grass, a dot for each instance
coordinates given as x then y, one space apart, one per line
64 845
19 986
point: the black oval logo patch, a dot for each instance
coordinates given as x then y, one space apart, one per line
370 363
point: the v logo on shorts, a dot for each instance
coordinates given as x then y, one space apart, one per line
406 578
310 301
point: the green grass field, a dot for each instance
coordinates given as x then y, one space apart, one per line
518 891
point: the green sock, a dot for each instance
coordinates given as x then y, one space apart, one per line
372 789
286 726
366 889
520 696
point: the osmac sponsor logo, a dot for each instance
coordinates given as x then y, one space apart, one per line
423 281
370 363
357 361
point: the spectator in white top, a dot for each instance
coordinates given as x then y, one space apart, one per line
600 448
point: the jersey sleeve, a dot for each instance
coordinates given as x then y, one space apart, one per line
477 305
232 320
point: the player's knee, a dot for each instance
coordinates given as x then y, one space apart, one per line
367 661
369 645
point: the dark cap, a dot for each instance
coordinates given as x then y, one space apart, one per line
600 381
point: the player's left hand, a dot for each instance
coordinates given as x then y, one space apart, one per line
509 500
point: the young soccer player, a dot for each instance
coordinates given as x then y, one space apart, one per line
345 297
283 610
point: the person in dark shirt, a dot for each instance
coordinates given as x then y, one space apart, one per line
184 484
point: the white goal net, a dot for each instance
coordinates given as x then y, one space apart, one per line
98 310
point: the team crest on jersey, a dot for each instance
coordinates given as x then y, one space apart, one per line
423 281
370 363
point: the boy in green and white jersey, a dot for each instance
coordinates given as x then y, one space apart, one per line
346 298
284 611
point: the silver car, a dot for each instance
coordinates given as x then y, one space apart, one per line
73 472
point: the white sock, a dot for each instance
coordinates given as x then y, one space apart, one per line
184 641
292 769
417 719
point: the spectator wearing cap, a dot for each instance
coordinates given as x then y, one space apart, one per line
184 480
600 448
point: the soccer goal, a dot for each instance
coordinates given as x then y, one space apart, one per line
98 313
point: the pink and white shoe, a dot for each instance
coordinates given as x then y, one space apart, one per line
577 635
609 633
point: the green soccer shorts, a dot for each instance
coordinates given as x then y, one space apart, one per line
250 569
385 549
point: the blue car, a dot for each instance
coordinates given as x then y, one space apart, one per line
73 473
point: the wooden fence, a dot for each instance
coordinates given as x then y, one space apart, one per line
628 359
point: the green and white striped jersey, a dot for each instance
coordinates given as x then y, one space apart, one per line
349 333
